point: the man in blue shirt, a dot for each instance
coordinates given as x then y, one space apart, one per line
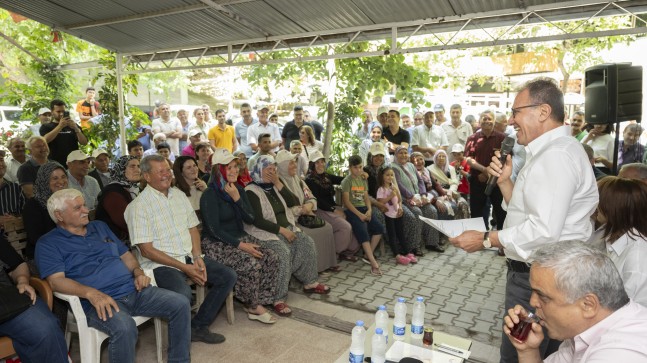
86 259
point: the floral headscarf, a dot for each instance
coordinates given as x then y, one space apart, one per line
256 172
438 152
42 192
118 172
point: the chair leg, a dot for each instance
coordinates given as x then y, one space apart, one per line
230 308
158 339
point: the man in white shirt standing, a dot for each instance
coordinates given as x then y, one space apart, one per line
169 126
551 200
456 130
263 126
428 138
579 297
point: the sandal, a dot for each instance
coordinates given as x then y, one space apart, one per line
265 318
335 269
376 271
319 289
345 257
280 309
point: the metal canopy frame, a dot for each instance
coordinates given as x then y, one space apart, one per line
264 50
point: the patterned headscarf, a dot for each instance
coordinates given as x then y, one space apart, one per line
262 162
118 172
42 192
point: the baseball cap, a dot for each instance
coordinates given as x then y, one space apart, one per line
221 157
194 132
77 155
458 148
439 107
377 148
382 109
43 110
98 152
264 108
316 155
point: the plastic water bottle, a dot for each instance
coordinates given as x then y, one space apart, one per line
357 343
418 318
378 347
400 319
382 321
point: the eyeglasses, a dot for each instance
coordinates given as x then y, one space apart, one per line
516 110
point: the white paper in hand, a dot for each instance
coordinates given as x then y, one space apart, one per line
455 227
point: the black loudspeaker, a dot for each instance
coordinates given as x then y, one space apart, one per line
613 93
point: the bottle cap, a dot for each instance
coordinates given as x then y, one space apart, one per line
359 323
420 298
400 299
381 307
379 331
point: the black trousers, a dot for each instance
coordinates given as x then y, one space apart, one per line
479 205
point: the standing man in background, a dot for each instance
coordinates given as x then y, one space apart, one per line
241 129
63 135
88 107
169 126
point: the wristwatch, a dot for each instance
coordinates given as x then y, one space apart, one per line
486 240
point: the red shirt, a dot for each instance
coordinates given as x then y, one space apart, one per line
481 148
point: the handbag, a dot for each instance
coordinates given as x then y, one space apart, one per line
311 222
12 302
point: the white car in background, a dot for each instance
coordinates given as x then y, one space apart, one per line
11 119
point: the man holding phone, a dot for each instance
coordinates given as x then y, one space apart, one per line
63 135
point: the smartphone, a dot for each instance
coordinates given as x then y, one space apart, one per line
66 114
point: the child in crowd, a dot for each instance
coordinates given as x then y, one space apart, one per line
389 194
164 149
367 230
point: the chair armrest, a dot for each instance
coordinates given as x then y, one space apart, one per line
76 307
43 289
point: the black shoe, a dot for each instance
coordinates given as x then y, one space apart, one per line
416 252
205 336
436 248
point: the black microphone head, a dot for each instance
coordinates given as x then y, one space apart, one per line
507 145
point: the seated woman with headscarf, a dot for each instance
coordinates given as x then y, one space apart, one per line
446 176
275 226
374 135
306 206
225 208
322 186
410 185
116 196
432 189
51 177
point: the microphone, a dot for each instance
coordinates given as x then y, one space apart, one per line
506 148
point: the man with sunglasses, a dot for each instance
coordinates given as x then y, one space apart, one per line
551 200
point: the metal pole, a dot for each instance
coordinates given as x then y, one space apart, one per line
120 103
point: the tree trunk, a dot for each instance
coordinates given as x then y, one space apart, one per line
332 88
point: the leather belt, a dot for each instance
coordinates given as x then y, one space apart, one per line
518 266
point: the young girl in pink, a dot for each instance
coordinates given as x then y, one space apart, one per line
389 194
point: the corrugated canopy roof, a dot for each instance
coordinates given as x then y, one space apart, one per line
141 27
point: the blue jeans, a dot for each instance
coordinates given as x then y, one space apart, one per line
152 302
363 231
220 280
36 335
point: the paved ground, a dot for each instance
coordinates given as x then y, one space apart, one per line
464 293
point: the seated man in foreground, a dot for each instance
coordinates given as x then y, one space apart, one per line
580 299
86 259
162 223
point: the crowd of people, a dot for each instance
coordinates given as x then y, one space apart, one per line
246 207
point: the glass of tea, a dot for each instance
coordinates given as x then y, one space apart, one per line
428 336
520 330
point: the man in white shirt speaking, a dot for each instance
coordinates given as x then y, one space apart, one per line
551 200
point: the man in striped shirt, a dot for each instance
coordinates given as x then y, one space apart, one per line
11 198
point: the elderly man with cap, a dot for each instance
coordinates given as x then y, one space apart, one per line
44 117
78 165
195 137
17 157
101 171
263 126
439 111
158 138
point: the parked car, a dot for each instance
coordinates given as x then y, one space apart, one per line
12 121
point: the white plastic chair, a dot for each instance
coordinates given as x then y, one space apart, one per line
90 339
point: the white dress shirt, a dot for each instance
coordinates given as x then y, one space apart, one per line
553 198
255 130
629 254
433 136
